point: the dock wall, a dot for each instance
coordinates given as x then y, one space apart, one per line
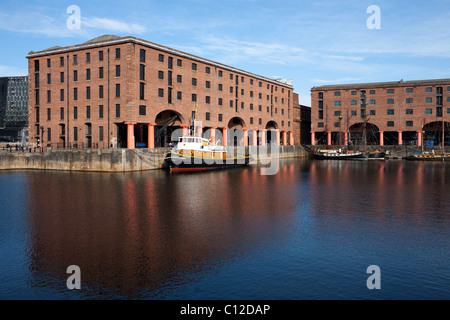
116 160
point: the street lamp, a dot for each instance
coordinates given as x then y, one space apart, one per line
42 136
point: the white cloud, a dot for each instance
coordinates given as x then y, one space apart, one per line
112 25
340 57
56 27
33 23
231 51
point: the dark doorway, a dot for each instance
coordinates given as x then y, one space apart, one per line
141 135
122 135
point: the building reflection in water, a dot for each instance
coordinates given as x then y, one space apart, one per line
387 189
139 234
147 235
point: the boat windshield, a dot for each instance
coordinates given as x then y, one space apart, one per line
189 140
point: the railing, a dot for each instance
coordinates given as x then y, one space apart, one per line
49 146
393 150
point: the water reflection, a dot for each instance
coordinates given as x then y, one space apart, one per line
399 188
154 235
139 234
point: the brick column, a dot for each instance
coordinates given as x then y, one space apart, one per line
245 137
291 138
277 133
213 135
400 138
381 138
346 138
284 138
419 138
255 137
263 136
151 135
329 138
224 136
130 135
185 129
313 138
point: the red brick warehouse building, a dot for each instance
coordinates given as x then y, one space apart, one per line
127 92
388 113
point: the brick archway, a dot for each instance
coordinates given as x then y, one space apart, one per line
168 127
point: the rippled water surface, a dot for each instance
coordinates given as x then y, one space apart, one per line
308 232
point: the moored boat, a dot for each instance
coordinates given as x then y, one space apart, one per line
377 155
339 155
198 154
428 157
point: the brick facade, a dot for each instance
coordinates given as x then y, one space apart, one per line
114 91
395 113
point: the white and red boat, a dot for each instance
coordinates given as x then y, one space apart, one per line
198 154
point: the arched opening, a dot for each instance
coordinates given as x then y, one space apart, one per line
271 136
235 132
236 123
435 132
167 122
364 134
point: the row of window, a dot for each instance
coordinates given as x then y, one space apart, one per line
75 59
389 101
75 75
101 94
194 98
75 132
75 113
388 124
439 90
390 112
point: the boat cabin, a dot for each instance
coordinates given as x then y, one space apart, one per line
197 143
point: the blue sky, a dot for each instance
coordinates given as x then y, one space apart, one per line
311 42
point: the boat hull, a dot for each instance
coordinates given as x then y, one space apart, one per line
341 156
177 163
377 155
428 158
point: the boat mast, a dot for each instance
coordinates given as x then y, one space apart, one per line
443 131
365 125
363 107
423 133
194 120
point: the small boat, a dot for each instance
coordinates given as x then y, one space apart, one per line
340 155
198 154
377 155
426 156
